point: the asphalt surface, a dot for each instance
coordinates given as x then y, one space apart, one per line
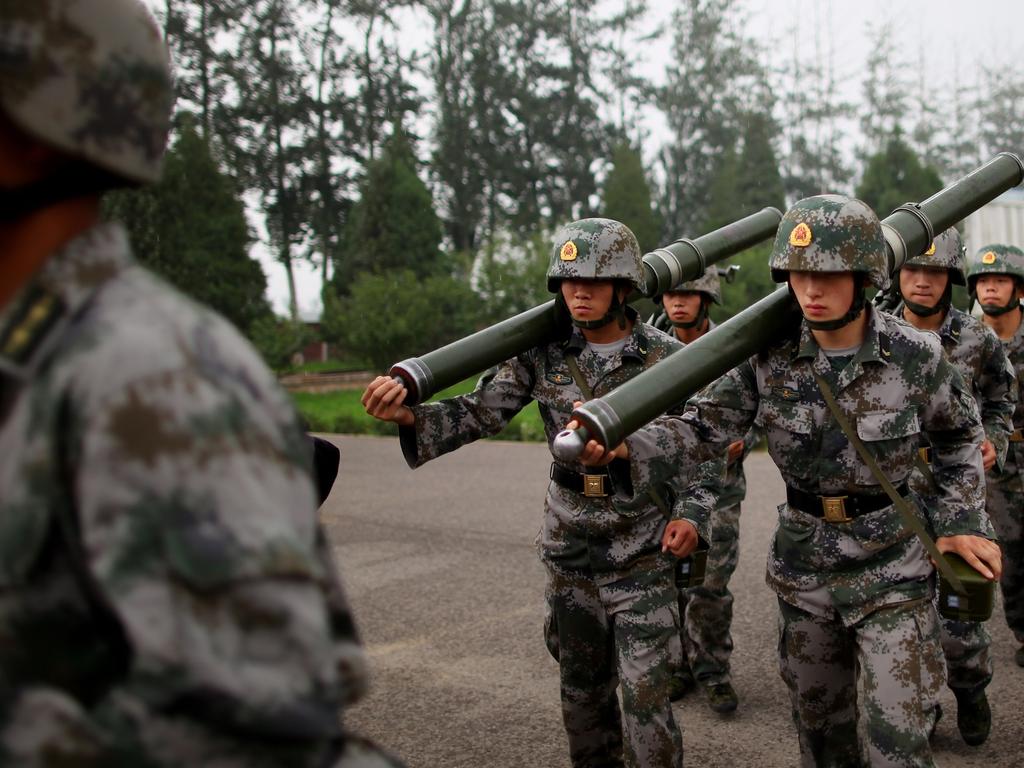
447 589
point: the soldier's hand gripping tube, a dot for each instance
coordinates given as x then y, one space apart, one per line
664 269
910 229
437 370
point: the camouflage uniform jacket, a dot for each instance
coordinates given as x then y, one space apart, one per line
897 385
1011 476
162 577
599 534
979 357
734 488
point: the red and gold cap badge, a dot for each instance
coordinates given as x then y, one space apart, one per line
568 252
988 258
801 235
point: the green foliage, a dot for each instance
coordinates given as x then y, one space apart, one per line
746 181
752 283
895 176
386 318
509 276
278 339
393 226
627 197
191 229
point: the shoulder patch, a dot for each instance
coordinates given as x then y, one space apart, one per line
29 325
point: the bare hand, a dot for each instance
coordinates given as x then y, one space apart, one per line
383 400
680 538
594 454
982 555
988 455
734 451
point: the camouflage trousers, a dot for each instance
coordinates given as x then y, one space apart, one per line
610 631
967 648
1005 507
705 612
896 652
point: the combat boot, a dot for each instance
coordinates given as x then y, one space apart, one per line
722 698
973 716
1019 656
682 683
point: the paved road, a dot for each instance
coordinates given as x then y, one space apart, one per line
448 593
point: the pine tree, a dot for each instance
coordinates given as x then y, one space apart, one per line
627 197
191 229
895 176
393 225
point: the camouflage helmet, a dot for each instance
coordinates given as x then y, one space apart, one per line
995 260
946 250
708 284
90 78
595 249
830 233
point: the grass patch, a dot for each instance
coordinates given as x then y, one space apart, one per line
342 412
325 366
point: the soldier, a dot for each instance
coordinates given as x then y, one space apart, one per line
926 288
705 611
165 597
996 278
611 592
853 584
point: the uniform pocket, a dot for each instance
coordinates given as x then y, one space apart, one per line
787 427
891 437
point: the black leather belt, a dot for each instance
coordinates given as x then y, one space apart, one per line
839 509
592 484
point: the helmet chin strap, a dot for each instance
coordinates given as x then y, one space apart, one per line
856 307
995 310
71 181
940 306
702 315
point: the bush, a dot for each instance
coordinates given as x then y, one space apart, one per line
387 318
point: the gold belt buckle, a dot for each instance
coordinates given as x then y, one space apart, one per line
834 508
1016 436
593 485
925 454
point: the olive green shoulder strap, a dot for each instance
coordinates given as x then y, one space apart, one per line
909 518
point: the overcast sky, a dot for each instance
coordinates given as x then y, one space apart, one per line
950 38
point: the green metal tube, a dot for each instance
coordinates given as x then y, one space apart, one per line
610 419
664 269
685 259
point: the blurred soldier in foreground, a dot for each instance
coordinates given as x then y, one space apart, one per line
166 598
853 584
705 611
926 287
608 519
996 278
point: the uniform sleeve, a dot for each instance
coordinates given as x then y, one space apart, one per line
997 385
198 517
720 414
952 423
449 424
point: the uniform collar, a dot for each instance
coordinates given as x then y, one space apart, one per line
636 346
32 321
951 326
876 348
